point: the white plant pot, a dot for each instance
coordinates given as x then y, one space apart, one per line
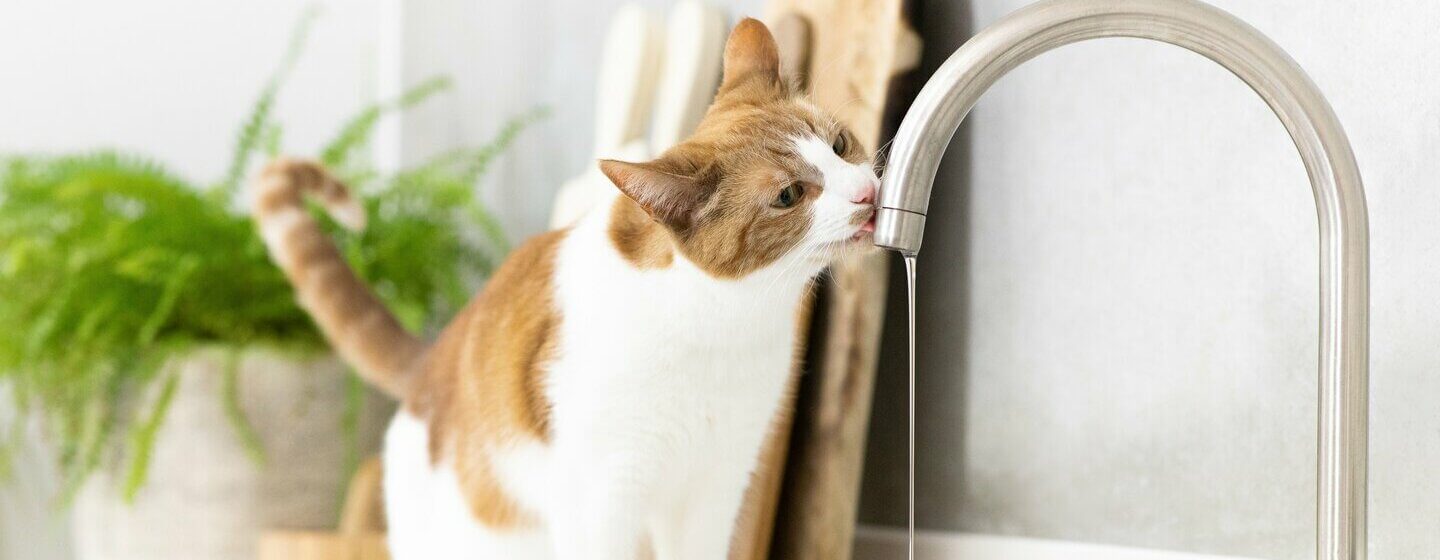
206 498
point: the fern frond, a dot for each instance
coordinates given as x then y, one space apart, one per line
143 438
234 413
356 133
256 125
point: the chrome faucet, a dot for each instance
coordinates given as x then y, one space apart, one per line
1339 198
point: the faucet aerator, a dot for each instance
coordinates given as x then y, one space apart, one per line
899 230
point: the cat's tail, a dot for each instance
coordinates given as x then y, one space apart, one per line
357 324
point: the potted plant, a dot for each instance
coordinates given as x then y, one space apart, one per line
190 401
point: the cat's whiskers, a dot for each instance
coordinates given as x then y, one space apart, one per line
825 253
880 157
805 259
791 265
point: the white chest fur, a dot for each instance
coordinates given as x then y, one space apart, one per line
665 385
669 364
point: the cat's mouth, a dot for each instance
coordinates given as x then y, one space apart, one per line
867 228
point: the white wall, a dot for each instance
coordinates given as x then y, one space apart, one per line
174 78
1119 294
171 79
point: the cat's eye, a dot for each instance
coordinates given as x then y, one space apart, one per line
842 143
789 196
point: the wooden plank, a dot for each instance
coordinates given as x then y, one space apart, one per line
857 49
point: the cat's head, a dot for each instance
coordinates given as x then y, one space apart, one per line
767 180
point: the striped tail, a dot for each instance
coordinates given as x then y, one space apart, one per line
357 324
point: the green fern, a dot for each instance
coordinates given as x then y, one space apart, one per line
110 265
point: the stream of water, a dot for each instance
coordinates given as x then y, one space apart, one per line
910 285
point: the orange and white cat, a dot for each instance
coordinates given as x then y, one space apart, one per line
607 394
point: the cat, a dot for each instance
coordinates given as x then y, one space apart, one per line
607 393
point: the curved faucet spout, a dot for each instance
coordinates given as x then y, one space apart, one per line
1335 179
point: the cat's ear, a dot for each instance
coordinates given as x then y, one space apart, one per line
751 54
670 198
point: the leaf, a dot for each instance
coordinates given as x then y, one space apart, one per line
258 122
357 131
142 442
172 292
249 438
480 158
9 443
273 134
97 422
350 427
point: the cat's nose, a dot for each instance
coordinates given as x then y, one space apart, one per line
865 194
